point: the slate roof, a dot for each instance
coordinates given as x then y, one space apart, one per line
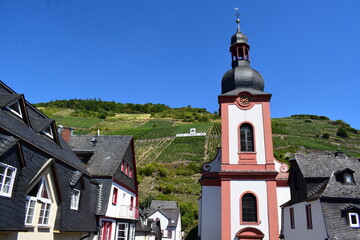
319 171
337 227
8 98
168 208
323 167
108 152
6 142
22 131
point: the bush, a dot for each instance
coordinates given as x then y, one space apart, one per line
342 133
326 135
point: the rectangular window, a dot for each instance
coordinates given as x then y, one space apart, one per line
122 231
292 218
131 202
123 166
75 197
114 196
7 177
105 232
169 233
44 214
127 170
308 216
132 231
30 209
130 173
354 220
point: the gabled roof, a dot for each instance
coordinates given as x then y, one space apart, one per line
319 165
108 152
168 208
319 170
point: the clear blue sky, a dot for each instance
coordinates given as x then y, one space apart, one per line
176 51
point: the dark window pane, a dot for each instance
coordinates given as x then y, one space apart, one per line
249 209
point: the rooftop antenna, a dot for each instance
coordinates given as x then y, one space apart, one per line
237 14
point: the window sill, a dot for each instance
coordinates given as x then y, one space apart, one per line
44 227
30 226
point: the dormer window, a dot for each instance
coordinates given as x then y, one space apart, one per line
48 132
354 220
345 176
15 108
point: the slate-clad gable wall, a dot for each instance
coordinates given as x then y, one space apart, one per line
84 218
14 207
121 177
299 194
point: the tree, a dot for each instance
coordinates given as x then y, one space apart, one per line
342 133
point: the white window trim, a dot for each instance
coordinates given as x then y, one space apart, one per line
3 192
75 199
354 224
30 199
48 132
19 114
125 231
44 218
132 231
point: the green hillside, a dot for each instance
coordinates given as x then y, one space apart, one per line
168 167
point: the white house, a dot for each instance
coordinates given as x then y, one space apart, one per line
325 198
168 213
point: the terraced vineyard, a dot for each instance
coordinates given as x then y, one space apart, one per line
168 167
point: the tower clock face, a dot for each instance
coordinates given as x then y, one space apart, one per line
244 101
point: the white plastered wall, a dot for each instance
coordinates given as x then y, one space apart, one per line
255 117
123 199
283 195
210 213
301 232
237 188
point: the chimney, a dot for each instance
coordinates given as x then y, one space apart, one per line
66 133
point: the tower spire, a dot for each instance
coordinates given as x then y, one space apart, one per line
237 14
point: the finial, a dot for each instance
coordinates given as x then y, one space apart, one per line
237 14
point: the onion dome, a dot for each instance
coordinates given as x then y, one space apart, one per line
241 77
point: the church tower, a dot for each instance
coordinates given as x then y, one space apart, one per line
240 186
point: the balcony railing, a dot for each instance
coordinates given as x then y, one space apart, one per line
130 212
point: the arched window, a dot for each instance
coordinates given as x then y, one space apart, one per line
246 138
249 208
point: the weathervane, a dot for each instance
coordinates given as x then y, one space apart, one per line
237 14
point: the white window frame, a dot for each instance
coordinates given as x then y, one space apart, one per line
30 204
75 199
132 231
45 203
125 231
355 224
44 216
48 132
6 189
16 111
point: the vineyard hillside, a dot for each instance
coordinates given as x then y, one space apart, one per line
168 167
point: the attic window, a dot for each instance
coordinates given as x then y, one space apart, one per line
48 132
15 108
354 220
